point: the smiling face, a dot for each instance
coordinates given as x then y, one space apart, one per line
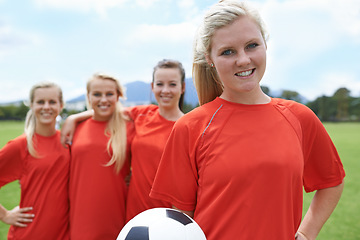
238 52
103 96
167 87
46 106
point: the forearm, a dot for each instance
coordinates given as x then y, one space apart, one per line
68 127
79 117
2 212
320 209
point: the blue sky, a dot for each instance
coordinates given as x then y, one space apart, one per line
313 49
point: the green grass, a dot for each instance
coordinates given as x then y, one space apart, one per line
344 222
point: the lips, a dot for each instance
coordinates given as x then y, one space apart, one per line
166 98
103 107
245 73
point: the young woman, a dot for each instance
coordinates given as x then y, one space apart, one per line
153 124
239 162
41 165
99 165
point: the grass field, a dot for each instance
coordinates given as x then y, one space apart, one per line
344 224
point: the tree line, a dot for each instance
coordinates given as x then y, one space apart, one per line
340 107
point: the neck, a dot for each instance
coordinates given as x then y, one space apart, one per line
45 131
250 98
171 114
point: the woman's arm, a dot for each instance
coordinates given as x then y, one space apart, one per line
17 216
69 126
320 209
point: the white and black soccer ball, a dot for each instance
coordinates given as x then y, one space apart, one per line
161 224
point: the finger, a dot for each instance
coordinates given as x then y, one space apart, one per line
25 220
70 138
27 215
26 209
19 224
63 140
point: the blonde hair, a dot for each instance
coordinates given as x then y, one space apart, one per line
30 120
116 126
207 82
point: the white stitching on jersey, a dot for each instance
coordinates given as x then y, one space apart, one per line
211 120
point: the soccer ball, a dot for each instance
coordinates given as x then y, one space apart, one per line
161 224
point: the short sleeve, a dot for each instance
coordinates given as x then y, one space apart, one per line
322 165
11 159
176 178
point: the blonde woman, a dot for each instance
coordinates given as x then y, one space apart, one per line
153 124
41 165
98 165
239 162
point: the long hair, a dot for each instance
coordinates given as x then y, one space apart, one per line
169 63
116 126
207 82
30 120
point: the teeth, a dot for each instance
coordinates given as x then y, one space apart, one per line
244 74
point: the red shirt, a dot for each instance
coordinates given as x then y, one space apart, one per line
151 134
44 185
97 193
242 168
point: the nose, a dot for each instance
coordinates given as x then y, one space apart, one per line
243 59
166 88
103 98
46 105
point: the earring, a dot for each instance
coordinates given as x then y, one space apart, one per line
211 65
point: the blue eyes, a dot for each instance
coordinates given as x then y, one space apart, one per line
227 52
253 45
171 84
230 51
43 102
99 94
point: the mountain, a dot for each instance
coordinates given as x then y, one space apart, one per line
139 92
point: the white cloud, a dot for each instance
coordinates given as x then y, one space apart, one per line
146 3
99 6
173 33
330 82
12 40
302 30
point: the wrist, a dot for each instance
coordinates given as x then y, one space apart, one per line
301 236
2 212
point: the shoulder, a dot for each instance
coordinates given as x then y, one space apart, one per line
201 115
135 111
16 143
19 140
303 114
299 109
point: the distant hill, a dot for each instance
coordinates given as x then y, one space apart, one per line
139 92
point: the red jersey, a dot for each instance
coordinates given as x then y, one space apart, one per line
97 193
151 133
43 183
242 168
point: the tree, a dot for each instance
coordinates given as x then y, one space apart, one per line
342 97
291 95
324 107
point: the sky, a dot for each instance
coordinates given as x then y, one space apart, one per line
314 45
